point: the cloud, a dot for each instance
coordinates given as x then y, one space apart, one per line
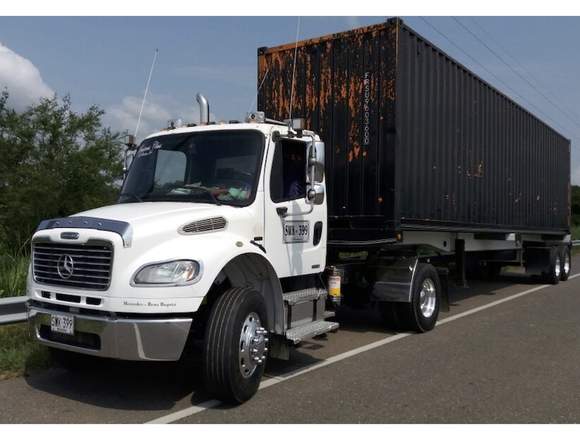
157 112
22 79
575 175
353 22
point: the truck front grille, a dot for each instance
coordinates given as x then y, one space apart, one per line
72 265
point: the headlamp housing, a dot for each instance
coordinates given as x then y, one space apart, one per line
168 273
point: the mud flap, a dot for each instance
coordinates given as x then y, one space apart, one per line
537 259
443 273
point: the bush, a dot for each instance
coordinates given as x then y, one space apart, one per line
55 162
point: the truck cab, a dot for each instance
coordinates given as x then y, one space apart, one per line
218 240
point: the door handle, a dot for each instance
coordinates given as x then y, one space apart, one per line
282 211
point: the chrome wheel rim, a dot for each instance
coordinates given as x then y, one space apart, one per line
428 298
566 263
557 267
253 345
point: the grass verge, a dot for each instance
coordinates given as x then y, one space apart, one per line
20 354
575 231
13 271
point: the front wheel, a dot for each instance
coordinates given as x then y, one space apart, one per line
235 345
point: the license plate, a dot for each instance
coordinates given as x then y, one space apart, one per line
62 324
296 231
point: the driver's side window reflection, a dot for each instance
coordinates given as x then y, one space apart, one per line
170 169
288 176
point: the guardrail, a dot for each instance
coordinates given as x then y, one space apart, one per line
13 309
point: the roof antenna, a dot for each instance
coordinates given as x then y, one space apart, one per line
146 92
293 71
259 88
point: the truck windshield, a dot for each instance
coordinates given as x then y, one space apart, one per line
208 167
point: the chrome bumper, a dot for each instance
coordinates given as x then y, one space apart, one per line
128 339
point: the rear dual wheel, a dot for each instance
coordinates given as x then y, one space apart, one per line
565 263
421 313
553 270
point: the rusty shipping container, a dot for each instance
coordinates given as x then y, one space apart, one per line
414 140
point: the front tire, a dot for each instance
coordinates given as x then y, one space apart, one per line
235 345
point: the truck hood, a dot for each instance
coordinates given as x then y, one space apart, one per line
163 219
135 213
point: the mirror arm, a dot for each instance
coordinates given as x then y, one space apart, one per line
294 214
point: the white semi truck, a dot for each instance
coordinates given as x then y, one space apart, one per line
240 239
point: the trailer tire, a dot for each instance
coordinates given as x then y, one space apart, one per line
553 270
236 326
421 313
565 263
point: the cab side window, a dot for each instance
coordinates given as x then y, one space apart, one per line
288 176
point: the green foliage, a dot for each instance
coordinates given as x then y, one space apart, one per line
575 231
54 162
13 271
575 202
19 352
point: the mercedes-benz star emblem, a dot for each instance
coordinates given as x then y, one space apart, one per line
65 266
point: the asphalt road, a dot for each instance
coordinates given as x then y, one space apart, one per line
506 352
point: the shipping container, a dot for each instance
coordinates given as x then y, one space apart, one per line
414 139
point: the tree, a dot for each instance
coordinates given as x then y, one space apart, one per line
575 202
53 162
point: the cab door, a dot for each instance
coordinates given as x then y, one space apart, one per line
295 231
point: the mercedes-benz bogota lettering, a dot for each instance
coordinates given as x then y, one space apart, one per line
405 172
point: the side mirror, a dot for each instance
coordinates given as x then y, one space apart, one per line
315 195
316 162
315 174
129 154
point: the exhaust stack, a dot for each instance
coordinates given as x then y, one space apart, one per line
203 109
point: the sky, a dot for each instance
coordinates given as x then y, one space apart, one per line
106 60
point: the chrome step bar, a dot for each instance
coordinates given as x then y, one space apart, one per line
317 328
306 314
302 296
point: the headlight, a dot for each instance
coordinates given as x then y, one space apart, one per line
175 273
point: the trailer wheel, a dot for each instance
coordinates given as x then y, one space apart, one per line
421 313
235 345
566 263
554 269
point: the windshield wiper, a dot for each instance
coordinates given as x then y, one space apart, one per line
132 195
207 191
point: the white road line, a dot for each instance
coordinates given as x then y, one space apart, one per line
173 417
169 418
